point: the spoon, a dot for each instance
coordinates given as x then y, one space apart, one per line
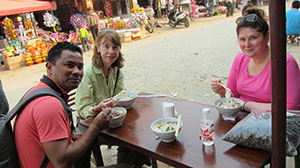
178 124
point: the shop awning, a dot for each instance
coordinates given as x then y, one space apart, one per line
12 7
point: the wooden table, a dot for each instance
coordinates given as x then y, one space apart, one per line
187 150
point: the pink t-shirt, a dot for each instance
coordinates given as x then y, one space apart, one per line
42 120
258 88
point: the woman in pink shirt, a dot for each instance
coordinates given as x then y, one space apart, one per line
250 74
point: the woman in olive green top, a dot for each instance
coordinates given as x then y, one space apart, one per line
102 78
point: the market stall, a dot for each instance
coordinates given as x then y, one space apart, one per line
20 32
134 27
12 7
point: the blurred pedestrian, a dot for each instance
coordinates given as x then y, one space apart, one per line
157 11
229 7
209 6
92 21
163 7
293 21
83 37
193 2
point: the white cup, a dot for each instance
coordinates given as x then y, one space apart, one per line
168 109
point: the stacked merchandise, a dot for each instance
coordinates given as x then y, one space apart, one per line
36 53
10 30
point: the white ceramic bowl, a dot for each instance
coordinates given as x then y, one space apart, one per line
126 100
168 136
229 111
118 120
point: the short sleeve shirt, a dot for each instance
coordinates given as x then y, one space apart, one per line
42 120
293 22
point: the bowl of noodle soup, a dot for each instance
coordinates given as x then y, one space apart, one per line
229 107
125 99
118 115
165 128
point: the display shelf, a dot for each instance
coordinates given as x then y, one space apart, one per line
14 62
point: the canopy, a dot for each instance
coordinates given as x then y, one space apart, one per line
12 7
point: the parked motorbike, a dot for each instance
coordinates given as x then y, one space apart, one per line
143 20
149 24
178 18
151 20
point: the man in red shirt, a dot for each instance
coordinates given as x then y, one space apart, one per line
43 129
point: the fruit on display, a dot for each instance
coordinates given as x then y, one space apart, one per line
36 52
28 59
43 45
38 42
10 30
37 58
44 50
44 55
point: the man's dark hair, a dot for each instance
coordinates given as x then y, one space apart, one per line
55 51
296 4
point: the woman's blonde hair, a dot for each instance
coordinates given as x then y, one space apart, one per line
101 38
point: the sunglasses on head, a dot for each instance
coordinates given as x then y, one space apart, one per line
249 18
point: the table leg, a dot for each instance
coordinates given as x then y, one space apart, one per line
154 163
97 153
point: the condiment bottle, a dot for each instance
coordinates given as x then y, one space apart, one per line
206 128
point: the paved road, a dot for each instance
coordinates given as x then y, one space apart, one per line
176 62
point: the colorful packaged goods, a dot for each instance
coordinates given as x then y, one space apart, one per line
10 29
